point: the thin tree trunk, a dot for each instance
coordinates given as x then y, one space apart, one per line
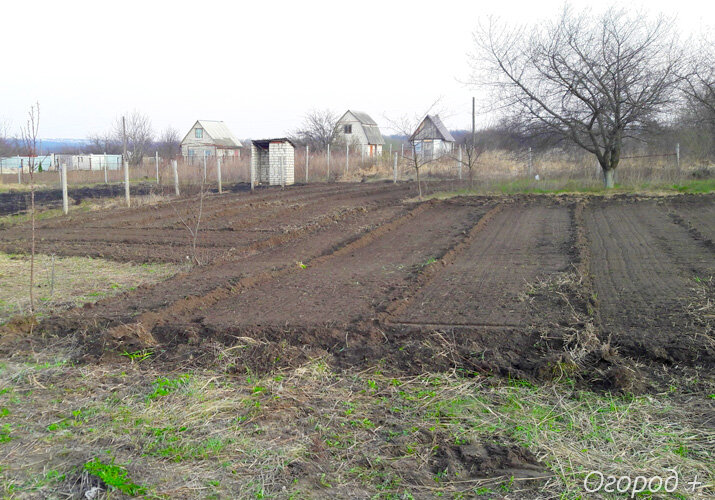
419 186
32 245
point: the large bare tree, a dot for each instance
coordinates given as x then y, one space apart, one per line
319 128
698 83
593 79
139 135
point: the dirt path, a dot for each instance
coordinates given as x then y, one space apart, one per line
645 269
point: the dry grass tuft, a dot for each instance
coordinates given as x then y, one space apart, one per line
65 282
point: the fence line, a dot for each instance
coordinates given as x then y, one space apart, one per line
351 164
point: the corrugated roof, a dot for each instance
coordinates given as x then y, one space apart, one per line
373 134
437 131
360 116
218 132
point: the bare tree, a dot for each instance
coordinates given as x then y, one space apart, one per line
470 149
139 135
698 83
104 143
406 125
29 138
591 79
319 129
169 143
5 144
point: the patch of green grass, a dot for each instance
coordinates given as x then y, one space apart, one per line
138 356
5 430
695 186
164 386
114 475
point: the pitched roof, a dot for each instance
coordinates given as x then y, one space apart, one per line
218 132
437 131
360 116
373 134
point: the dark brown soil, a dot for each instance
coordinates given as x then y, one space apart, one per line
350 272
648 274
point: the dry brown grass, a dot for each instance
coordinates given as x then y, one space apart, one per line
63 282
311 432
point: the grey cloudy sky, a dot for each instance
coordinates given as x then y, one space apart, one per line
259 66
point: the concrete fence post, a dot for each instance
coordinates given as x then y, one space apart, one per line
19 173
175 168
459 163
156 159
677 156
63 180
307 161
347 158
218 174
106 180
205 155
252 172
394 170
328 176
531 164
126 183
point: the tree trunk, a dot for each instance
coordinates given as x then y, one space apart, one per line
419 186
32 245
608 178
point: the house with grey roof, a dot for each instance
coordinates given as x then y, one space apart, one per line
431 139
210 138
357 129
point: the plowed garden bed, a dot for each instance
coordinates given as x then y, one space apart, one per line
359 288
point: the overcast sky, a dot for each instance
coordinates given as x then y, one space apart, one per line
259 66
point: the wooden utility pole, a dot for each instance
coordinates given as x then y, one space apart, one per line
126 163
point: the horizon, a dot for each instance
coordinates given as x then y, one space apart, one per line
259 76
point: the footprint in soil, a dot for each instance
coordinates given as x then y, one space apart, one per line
485 460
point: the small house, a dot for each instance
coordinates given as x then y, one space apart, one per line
273 161
431 139
210 138
358 129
